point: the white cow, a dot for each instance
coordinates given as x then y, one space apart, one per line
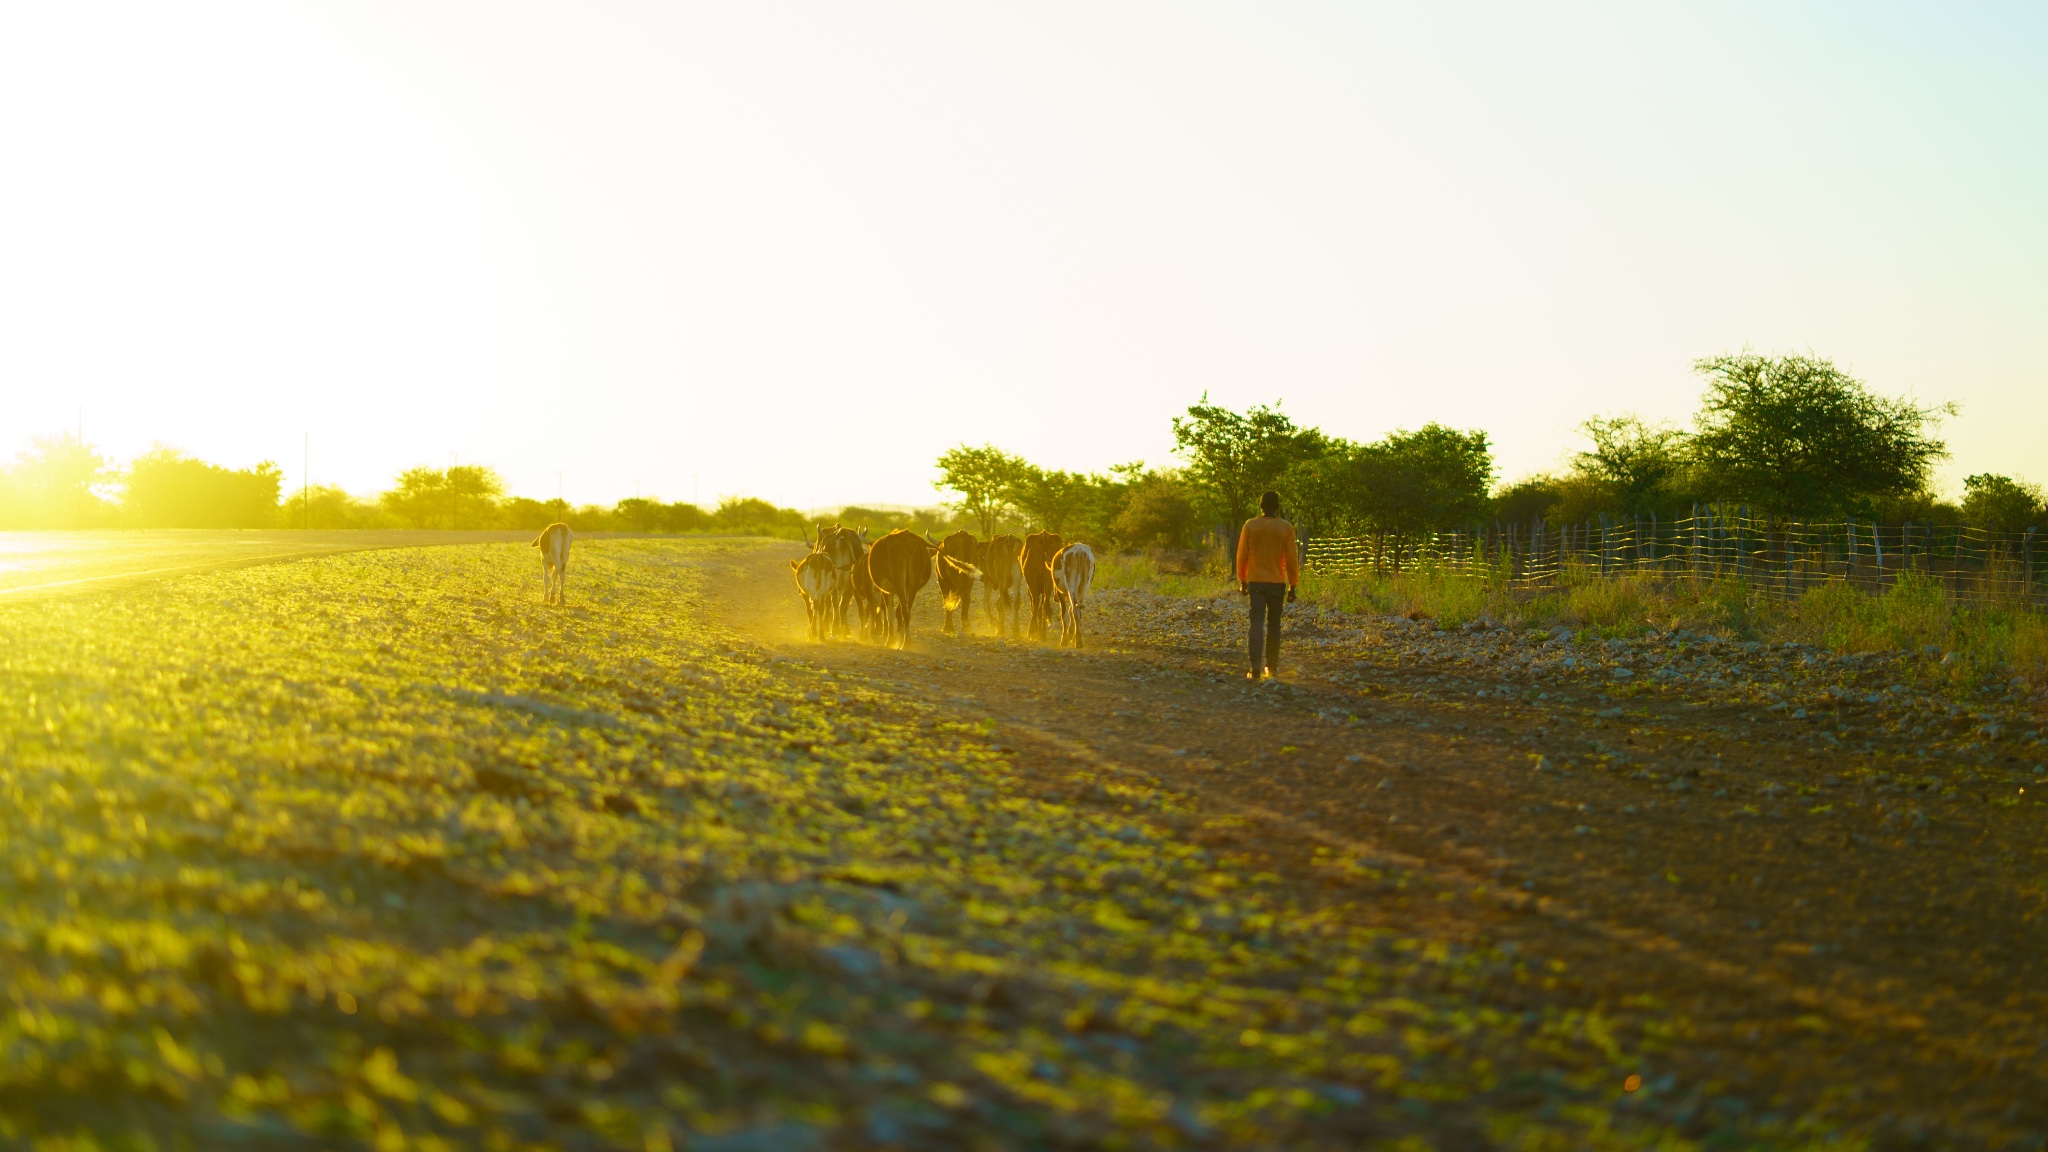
815 581
553 543
1073 569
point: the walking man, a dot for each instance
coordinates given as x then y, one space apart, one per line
1268 568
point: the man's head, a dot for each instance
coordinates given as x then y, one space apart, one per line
1269 503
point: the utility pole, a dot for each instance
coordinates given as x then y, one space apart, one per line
305 483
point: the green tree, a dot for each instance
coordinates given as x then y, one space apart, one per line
1641 463
52 484
464 496
985 478
1158 511
1232 458
1527 499
1429 479
2001 503
165 488
752 516
324 506
1796 436
473 492
1321 495
1052 500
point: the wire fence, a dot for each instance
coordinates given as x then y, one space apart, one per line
1777 557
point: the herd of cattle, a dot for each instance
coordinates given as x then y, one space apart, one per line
844 574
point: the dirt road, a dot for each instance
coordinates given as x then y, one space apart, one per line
1888 980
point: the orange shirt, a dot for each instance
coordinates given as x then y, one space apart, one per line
1266 553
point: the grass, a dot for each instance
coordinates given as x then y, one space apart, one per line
1991 640
373 851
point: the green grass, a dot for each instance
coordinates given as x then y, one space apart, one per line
1990 639
374 851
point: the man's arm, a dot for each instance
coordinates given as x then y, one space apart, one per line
1244 557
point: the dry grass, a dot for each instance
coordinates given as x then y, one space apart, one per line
1915 614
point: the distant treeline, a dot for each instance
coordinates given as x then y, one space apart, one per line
1784 438
58 482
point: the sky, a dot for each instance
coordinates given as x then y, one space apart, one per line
796 251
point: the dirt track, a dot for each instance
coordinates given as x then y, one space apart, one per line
1889 981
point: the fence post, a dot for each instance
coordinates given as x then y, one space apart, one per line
2027 563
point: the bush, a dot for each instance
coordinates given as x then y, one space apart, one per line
167 489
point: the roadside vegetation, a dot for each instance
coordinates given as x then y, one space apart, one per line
1979 642
374 849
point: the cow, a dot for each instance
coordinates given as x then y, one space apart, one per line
1002 580
1073 569
900 564
956 580
867 600
1039 548
845 548
553 543
814 581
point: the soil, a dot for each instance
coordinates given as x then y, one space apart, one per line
1862 945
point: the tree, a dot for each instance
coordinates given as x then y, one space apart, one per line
325 506
473 493
1796 436
1641 463
1157 512
1051 500
1232 458
2001 503
1321 494
984 477
1530 498
464 496
167 489
1432 478
52 484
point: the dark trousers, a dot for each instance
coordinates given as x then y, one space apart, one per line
1264 649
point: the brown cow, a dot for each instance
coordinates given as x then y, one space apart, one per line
845 549
956 580
867 600
1039 549
900 564
1002 580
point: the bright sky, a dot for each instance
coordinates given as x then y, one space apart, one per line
795 251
